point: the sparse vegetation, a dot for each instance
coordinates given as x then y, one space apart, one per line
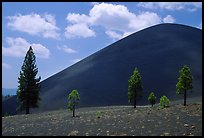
98 114
164 102
117 120
73 100
134 87
29 85
152 98
184 82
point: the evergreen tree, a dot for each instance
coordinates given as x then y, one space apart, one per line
184 82
152 98
73 100
134 87
29 85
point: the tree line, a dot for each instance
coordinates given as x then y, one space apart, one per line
28 95
185 82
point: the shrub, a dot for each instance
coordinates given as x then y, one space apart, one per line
164 102
98 114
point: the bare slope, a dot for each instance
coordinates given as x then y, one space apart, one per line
159 52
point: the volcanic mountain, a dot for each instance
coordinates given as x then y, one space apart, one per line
159 52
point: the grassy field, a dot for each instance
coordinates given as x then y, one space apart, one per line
176 120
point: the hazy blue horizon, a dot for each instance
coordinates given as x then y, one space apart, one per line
6 91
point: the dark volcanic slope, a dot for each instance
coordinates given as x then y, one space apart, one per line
159 52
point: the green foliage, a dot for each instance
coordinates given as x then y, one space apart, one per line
185 80
29 85
98 114
134 87
164 102
73 101
152 98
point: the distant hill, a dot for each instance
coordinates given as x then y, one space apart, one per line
159 52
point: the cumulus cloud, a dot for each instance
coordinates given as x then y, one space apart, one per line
113 35
35 24
172 6
66 49
79 30
117 21
144 20
169 19
17 47
6 66
77 18
110 16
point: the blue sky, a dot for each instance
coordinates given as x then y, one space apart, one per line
63 33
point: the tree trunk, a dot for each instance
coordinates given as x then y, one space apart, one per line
185 97
27 107
73 110
135 100
152 104
135 103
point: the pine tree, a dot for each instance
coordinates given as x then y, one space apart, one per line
152 98
134 87
184 82
29 85
73 100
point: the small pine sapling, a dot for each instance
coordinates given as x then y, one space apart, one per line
152 98
164 102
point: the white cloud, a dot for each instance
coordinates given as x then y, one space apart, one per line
169 19
94 3
110 16
148 5
197 4
77 18
19 46
113 35
189 6
35 24
113 18
144 20
6 66
66 49
50 18
79 30
171 5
